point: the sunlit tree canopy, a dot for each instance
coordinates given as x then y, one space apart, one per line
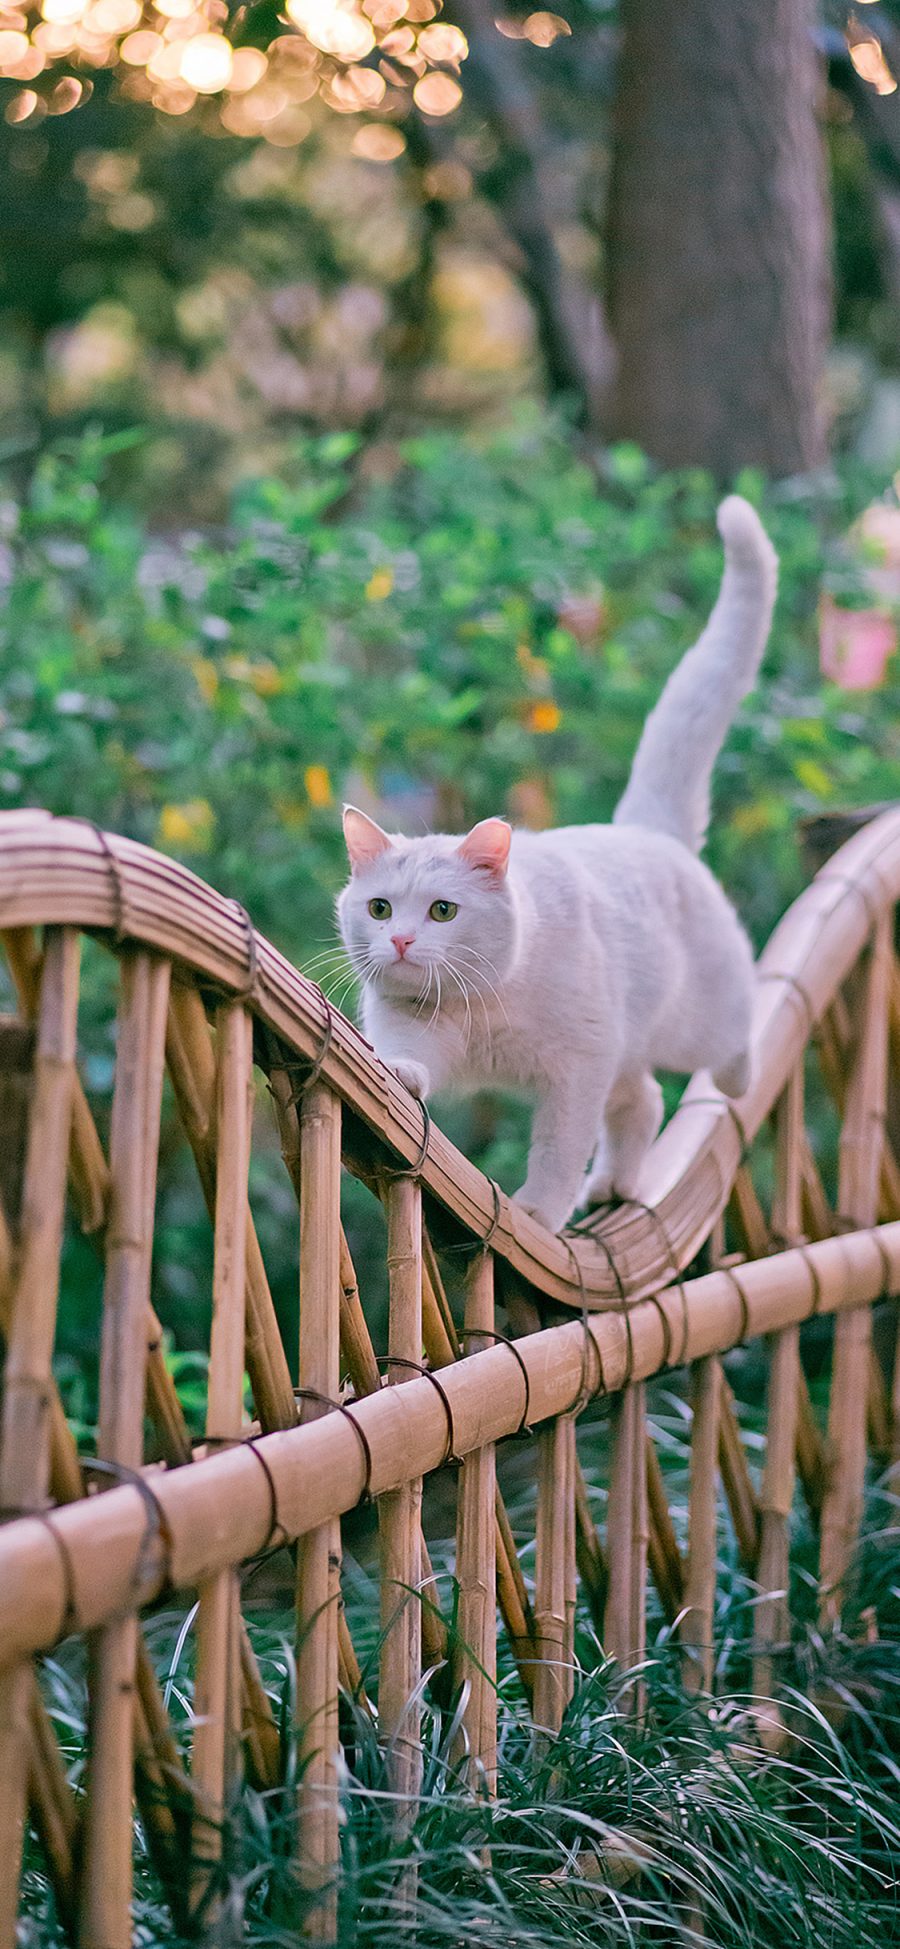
251 70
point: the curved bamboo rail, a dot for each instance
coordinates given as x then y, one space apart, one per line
62 872
202 995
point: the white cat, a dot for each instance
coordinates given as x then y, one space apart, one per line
575 963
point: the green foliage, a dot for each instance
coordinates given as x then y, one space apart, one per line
406 614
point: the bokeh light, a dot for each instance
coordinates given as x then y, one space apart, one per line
365 58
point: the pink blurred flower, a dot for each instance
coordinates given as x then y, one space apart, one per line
855 644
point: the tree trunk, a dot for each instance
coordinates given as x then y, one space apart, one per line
718 236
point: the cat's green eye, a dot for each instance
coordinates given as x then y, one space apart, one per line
443 910
380 909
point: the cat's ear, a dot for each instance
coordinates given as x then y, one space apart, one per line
487 846
365 841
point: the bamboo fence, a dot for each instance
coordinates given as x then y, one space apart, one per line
599 1311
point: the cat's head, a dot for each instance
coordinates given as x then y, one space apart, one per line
416 909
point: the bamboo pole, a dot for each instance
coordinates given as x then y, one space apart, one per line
320 1470
215 1767
25 1424
104 1920
191 1064
54 1810
52 1801
356 1350
860 1175
319 1552
772 1617
476 1532
87 1165
663 1555
737 1482
399 1517
441 1345
699 1597
835 1045
590 1558
748 1216
356 1341
554 1669
812 1464
627 1531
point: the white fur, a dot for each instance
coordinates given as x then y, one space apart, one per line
595 955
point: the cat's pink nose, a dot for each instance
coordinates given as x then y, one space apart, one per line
402 942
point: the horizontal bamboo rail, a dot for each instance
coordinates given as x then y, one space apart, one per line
318 1471
199 987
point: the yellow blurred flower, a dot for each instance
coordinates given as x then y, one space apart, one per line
814 777
545 716
379 585
318 785
266 678
751 820
206 677
191 825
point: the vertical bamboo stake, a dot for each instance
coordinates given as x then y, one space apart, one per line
88 1169
105 1896
399 1514
358 1355
476 1531
859 1178
737 1482
777 1497
663 1554
700 1589
191 1063
25 1426
554 1573
216 1690
442 1348
810 1454
627 1530
589 1554
319 1553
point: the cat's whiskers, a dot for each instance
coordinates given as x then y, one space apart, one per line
437 1006
481 982
455 976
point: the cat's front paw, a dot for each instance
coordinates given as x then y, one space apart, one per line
550 1213
414 1075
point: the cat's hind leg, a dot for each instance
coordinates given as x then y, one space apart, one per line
633 1117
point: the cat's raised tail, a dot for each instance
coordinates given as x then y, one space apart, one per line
668 789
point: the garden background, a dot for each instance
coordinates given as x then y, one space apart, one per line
364 404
